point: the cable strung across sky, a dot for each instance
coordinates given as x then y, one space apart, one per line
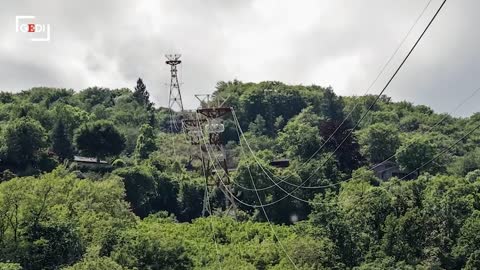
457 107
382 70
290 194
377 97
338 183
371 106
240 201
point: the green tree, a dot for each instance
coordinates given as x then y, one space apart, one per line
21 141
279 123
353 220
145 142
51 245
93 97
258 127
333 124
287 210
51 220
448 204
10 266
379 142
473 176
47 96
148 190
473 261
61 143
144 247
140 188
409 123
7 175
416 151
404 236
468 242
97 263
331 106
321 171
467 163
299 139
72 117
142 96
6 97
191 201
100 139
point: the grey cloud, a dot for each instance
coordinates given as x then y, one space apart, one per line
340 43
24 74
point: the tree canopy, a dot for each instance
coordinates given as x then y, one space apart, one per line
100 139
151 203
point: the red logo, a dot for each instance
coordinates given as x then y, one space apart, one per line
31 27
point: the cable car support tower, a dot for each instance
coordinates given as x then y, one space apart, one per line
215 146
175 96
206 129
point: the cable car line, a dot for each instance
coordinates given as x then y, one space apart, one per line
373 103
368 89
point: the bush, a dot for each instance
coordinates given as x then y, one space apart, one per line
118 163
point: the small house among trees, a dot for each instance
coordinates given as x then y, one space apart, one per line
389 169
89 162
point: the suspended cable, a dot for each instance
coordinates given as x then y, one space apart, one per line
256 190
457 107
260 201
424 164
210 218
172 132
254 205
268 220
442 152
223 183
376 99
369 87
438 123
361 119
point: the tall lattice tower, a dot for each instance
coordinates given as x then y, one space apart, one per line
175 97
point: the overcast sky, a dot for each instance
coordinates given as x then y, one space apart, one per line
341 43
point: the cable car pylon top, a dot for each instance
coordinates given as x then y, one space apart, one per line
175 96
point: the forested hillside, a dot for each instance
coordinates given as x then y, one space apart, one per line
100 179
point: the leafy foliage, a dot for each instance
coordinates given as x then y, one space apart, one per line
145 142
22 140
145 211
61 143
379 142
100 139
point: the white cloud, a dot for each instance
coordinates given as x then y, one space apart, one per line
341 43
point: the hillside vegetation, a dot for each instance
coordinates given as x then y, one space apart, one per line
142 209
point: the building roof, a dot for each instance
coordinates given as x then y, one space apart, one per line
87 160
280 163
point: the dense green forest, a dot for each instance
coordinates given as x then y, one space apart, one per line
139 204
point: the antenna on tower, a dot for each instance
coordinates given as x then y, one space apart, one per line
175 97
